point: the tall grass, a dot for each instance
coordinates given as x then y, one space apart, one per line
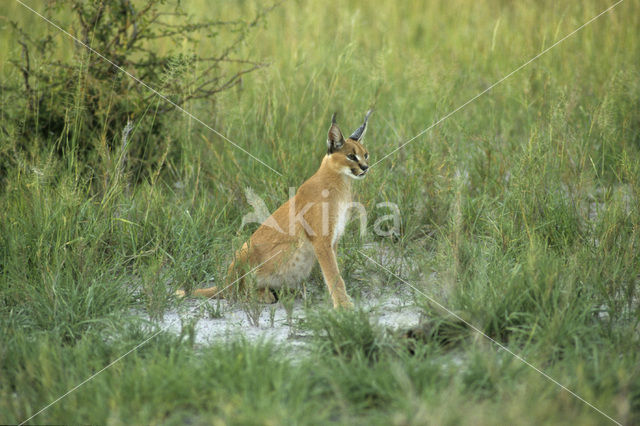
519 213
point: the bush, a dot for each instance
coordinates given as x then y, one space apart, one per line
77 107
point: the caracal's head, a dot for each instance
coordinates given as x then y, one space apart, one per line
349 156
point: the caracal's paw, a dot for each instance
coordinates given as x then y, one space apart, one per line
266 296
180 294
343 304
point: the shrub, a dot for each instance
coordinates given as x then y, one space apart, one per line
77 107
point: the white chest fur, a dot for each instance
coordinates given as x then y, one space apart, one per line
340 221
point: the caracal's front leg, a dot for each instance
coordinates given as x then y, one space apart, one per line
329 265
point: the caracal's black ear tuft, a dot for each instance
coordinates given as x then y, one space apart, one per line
335 140
358 135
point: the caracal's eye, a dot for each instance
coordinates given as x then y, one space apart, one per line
366 155
352 157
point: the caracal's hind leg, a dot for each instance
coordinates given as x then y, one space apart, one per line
264 295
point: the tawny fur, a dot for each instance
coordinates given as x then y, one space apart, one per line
287 255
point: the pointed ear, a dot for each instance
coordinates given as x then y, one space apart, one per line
358 135
335 140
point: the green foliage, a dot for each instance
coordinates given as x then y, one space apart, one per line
82 101
347 334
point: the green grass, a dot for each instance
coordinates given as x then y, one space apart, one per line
520 213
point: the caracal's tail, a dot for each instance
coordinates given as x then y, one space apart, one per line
234 279
210 292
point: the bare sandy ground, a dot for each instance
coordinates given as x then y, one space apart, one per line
390 311
215 320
